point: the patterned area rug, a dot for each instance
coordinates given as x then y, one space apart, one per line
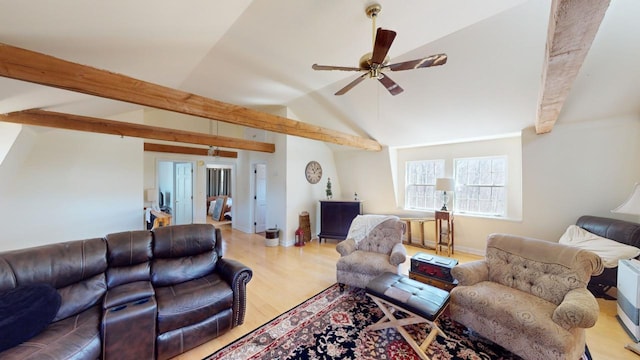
330 326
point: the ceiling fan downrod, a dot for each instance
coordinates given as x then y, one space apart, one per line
372 12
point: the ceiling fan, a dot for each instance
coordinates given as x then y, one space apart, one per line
374 63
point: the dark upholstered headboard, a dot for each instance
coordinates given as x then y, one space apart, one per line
625 232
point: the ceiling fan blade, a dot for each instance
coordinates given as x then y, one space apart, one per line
352 84
433 60
391 85
384 39
329 67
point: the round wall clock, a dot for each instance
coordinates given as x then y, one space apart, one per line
313 172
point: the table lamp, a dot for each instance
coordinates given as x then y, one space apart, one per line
444 185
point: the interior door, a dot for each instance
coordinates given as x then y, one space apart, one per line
260 197
183 213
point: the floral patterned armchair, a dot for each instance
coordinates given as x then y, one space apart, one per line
373 246
529 296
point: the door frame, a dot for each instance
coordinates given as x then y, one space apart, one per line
173 185
175 191
253 197
225 165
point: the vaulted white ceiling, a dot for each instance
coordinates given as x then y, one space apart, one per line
255 53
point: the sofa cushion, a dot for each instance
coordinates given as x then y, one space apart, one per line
365 262
511 312
182 253
542 268
25 311
176 270
75 268
129 254
193 301
76 337
80 296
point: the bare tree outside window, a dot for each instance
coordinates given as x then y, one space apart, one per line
420 184
481 185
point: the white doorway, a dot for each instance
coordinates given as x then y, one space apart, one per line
260 197
220 180
184 193
175 185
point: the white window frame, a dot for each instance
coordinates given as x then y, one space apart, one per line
420 184
481 185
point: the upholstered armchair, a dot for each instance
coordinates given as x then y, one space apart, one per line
373 246
529 296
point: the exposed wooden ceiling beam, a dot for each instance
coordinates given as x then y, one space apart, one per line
103 126
188 150
26 65
573 25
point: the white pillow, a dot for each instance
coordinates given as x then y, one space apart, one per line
609 250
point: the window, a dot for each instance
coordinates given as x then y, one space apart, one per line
218 182
480 185
420 184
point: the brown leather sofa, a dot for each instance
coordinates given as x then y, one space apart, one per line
625 232
131 295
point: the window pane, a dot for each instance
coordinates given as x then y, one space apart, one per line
480 185
420 183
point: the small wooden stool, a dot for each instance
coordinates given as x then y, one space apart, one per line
421 302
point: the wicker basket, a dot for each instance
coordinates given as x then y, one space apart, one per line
272 237
305 225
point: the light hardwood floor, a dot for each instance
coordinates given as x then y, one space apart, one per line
285 277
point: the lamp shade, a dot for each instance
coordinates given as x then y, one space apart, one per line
444 184
632 204
151 195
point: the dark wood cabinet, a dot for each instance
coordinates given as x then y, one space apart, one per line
336 217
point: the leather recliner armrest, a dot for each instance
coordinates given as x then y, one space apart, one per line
127 293
130 326
237 275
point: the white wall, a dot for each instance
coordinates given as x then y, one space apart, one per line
191 123
243 176
369 174
153 161
60 185
581 168
68 185
8 134
510 147
303 196
17 142
276 186
577 169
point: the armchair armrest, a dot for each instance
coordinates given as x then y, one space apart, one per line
346 247
471 273
398 254
237 275
578 309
